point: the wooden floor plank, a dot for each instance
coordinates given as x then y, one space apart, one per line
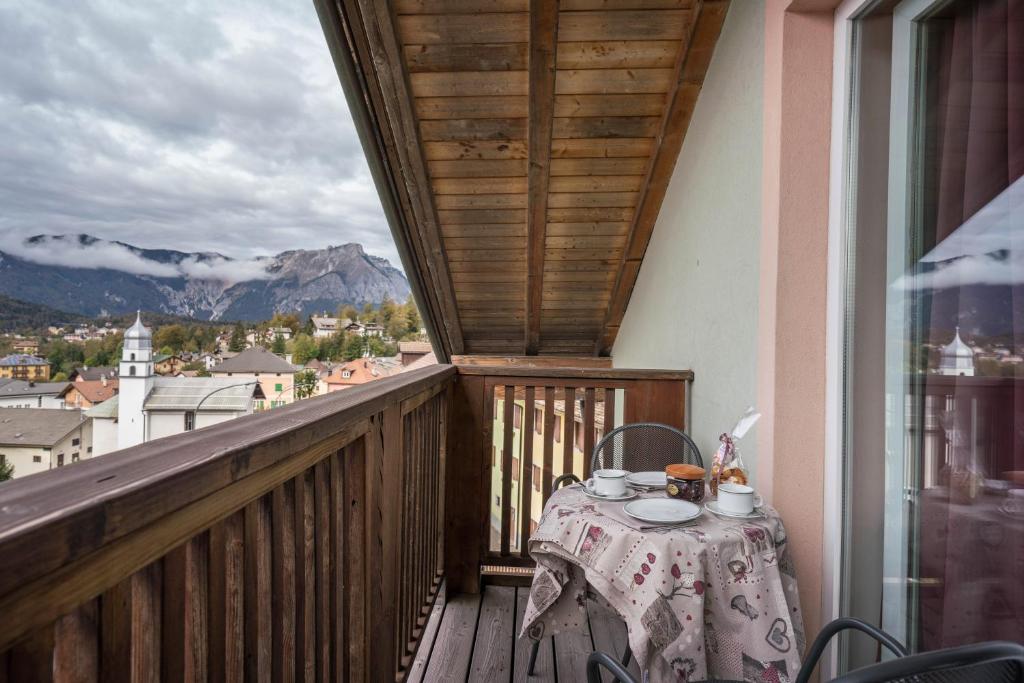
609 634
492 652
572 648
419 663
544 671
454 644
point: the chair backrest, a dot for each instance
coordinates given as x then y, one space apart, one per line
643 447
992 662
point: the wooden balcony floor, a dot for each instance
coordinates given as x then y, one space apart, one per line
474 638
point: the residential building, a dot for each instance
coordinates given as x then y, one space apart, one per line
411 351
87 374
84 394
38 439
167 364
355 372
26 346
275 376
25 366
19 393
324 326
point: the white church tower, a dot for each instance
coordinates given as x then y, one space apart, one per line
135 382
956 358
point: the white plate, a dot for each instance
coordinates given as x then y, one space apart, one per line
662 510
629 494
650 480
713 507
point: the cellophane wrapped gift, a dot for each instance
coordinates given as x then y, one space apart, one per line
727 463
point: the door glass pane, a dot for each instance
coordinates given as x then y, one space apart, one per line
935 356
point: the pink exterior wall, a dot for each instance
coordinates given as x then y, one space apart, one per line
791 357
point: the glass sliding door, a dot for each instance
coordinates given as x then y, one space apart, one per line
934 366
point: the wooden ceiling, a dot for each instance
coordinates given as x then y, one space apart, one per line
528 145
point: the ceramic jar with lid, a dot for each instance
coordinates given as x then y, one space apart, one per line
685 482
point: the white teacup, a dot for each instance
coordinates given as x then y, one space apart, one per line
736 498
610 483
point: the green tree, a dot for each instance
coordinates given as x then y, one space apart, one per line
237 342
278 345
172 336
166 350
354 347
348 311
367 312
59 377
6 470
304 384
304 349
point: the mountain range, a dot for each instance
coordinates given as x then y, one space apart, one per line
86 275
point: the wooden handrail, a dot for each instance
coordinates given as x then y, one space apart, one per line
181 503
574 373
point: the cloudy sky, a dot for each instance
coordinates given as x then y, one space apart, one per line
199 126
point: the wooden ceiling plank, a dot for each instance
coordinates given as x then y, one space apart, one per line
479 185
602 148
471 83
610 81
623 25
590 166
480 27
586 214
625 4
474 129
543 48
475 168
592 183
618 54
606 127
467 57
480 201
705 28
483 149
482 216
609 105
592 199
484 107
460 6
477 231
619 228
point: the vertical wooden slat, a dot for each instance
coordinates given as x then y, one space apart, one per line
196 603
283 581
609 410
467 484
324 590
338 506
76 645
227 609
405 549
506 468
357 546
656 401
146 622
568 426
305 579
31 659
588 429
549 442
526 481
172 646
116 632
258 586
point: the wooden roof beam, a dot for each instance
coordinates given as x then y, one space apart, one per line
694 57
543 46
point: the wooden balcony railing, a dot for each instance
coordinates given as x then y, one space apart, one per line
304 543
526 423
300 544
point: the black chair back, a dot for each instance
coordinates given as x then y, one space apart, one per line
991 662
645 447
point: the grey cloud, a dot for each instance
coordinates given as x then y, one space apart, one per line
195 126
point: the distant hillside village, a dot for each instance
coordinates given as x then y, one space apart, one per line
71 393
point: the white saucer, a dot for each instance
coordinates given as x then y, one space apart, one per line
713 507
663 510
648 480
628 495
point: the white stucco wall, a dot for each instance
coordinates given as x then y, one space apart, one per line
171 422
695 303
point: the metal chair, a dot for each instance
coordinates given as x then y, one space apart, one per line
641 447
638 447
991 662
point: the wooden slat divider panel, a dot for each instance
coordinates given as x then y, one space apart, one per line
323 547
568 428
506 467
355 540
283 573
526 480
549 442
257 600
305 578
227 602
76 654
403 502
172 610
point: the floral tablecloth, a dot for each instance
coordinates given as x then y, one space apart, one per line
715 598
